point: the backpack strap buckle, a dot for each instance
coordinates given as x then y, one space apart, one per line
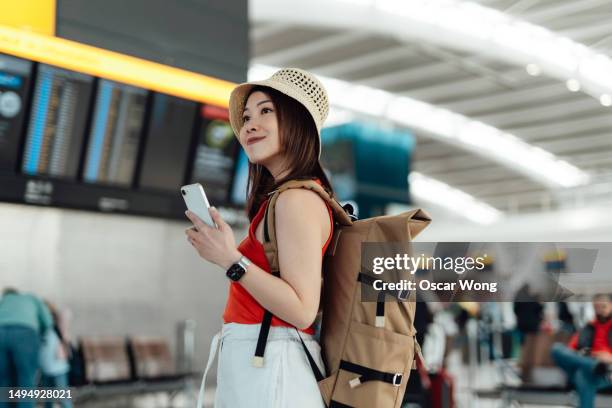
397 379
366 374
403 294
355 382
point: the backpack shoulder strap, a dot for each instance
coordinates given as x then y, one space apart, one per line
271 250
269 244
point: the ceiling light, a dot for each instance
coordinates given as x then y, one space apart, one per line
606 100
573 85
533 69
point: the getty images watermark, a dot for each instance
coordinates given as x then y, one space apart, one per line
482 271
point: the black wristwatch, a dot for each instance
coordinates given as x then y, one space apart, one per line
237 270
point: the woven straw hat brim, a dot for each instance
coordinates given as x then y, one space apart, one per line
239 95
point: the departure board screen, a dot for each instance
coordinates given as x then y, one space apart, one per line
115 134
215 154
14 89
170 132
57 122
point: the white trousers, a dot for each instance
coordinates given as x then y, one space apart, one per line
285 380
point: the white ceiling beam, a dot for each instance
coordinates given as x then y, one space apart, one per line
506 190
451 90
440 194
540 113
520 7
578 20
562 9
582 33
453 162
339 68
517 80
390 79
513 200
446 63
600 141
424 151
587 160
502 100
473 63
602 41
514 79
521 200
489 3
466 176
500 188
281 57
491 183
560 128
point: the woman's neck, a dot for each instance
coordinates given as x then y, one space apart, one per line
278 170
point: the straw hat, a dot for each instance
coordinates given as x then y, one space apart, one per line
293 82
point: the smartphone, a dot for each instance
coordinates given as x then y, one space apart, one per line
197 203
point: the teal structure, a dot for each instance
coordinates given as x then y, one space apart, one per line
369 165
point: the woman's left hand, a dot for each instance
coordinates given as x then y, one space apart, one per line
216 245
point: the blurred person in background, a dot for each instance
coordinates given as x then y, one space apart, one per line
23 318
587 359
529 316
415 390
566 319
54 355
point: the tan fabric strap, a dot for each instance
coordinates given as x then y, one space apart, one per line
270 242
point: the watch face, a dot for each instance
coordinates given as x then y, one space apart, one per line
235 272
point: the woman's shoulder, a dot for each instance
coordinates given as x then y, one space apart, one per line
300 199
300 210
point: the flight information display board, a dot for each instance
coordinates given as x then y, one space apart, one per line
115 134
169 136
72 140
14 89
215 157
57 122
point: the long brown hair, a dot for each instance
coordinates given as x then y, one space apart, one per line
299 141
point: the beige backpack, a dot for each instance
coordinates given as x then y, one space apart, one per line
369 348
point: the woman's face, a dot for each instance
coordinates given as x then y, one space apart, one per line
259 133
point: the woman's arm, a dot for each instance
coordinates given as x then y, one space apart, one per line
302 228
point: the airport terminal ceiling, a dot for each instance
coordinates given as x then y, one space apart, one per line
539 109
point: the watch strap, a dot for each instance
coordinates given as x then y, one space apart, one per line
244 262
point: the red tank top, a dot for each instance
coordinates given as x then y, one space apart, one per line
241 307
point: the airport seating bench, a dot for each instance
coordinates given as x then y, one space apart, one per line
542 395
115 366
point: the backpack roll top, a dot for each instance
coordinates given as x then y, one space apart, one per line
389 228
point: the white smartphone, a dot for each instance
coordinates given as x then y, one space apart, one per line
197 203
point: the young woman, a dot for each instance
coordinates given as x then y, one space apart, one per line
277 122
